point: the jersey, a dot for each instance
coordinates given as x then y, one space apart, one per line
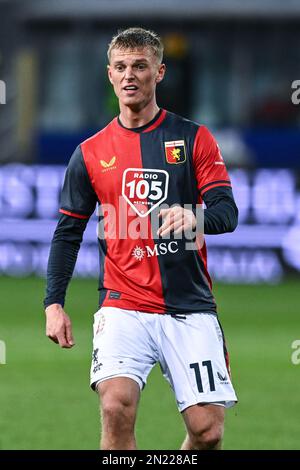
170 161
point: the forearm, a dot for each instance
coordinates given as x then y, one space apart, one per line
221 214
63 255
61 265
220 219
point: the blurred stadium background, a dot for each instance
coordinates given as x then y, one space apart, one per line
231 65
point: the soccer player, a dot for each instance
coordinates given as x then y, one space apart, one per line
156 303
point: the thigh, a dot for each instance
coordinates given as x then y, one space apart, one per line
122 347
118 391
193 360
201 418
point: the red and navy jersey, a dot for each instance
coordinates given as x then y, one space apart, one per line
171 161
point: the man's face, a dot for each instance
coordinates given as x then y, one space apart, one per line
134 75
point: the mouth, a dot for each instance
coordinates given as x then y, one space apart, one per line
130 89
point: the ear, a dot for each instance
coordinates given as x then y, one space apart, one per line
109 74
161 73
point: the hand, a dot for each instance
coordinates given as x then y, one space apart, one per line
58 326
176 219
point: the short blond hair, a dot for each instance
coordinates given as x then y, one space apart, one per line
137 38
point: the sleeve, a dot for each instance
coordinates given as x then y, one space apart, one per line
78 201
78 198
62 258
221 213
209 165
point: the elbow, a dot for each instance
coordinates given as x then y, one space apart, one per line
233 225
234 219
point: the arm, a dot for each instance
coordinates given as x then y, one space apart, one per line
213 182
78 202
214 185
221 214
63 255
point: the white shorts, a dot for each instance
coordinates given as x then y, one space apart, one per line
190 350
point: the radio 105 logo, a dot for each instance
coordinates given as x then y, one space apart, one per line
144 189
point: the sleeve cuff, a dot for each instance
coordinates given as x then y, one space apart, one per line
73 214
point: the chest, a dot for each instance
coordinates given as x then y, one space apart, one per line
145 170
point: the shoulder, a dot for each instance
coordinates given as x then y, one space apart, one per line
188 124
182 122
192 132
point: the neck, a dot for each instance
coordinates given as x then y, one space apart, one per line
132 118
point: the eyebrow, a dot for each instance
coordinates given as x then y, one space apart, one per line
137 61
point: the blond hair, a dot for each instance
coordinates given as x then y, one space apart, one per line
137 38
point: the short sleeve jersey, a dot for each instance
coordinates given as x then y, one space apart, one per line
132 175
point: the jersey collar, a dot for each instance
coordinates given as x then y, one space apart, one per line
153 124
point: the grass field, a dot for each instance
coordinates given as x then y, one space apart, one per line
46 403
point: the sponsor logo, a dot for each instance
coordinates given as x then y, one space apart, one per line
157 250
223 378
138 253
114 295
175 152
108 165
144 189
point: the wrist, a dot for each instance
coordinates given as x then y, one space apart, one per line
53 308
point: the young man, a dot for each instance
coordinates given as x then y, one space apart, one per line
156 303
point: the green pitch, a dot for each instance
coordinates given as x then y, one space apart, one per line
45 401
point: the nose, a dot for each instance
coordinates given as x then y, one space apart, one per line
128 73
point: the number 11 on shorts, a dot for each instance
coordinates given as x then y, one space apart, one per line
196 368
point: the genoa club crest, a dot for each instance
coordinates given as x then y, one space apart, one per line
175 152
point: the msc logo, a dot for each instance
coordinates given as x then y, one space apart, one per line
144 189
159 249
175 151
108 165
